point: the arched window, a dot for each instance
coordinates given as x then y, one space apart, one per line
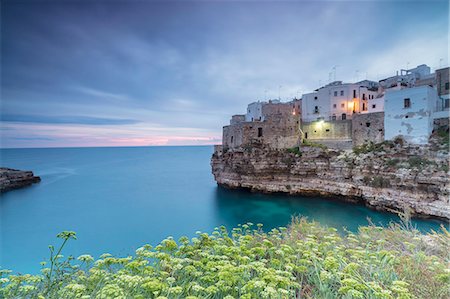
344 116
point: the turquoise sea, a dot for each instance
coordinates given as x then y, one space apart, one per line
118 199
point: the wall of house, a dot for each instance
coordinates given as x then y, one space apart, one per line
238 118
414 123
280 129
318 131
368 127
254 112
376 105
332 101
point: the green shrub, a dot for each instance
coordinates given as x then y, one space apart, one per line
314 144
305 260
392 162
295 150
419 162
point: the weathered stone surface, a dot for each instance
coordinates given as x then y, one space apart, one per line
12 179
389 178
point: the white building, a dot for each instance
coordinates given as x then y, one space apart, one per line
255 110
376 104
419 75
338 101
409 112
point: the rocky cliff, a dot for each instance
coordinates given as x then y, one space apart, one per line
13 179
385 176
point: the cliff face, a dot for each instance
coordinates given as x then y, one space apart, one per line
13 179
387 176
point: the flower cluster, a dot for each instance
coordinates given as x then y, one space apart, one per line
305 260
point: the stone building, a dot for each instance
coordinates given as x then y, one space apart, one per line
367 127
272 123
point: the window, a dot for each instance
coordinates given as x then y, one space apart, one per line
316 109
334 105
364 96
364 107
344 116
315 98
260 133
354 93
446 85
343 105
232 139
306 135
367 124
446 103
335 93
333 117
374 106
407 103
342 92
327 130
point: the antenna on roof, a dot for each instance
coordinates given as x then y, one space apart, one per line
334 69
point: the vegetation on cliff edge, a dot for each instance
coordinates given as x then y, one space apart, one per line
305 260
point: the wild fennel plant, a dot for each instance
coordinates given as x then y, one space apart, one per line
304 260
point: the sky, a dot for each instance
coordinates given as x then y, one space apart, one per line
141 73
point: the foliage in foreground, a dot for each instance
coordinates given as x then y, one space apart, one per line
305 260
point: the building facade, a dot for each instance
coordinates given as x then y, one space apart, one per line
272 123
409 113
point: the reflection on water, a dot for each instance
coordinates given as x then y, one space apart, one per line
240 206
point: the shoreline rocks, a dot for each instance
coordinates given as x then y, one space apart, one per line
390 177
11 179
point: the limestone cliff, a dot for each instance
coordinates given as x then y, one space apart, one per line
13 179
387 176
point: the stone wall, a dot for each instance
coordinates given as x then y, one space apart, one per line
280 128
277 131
368 127
317 131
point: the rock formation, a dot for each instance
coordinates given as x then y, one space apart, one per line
387 176
13 179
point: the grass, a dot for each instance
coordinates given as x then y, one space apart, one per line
372 147
314 144
304 260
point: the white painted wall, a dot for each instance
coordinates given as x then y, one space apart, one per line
376 105
254 112
415 123
334 100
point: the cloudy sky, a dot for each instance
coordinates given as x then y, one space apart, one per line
118 73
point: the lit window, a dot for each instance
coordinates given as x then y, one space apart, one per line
343 105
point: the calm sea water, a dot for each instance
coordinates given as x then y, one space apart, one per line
118 199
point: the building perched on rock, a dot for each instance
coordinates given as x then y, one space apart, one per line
413 104
327 112
271 123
